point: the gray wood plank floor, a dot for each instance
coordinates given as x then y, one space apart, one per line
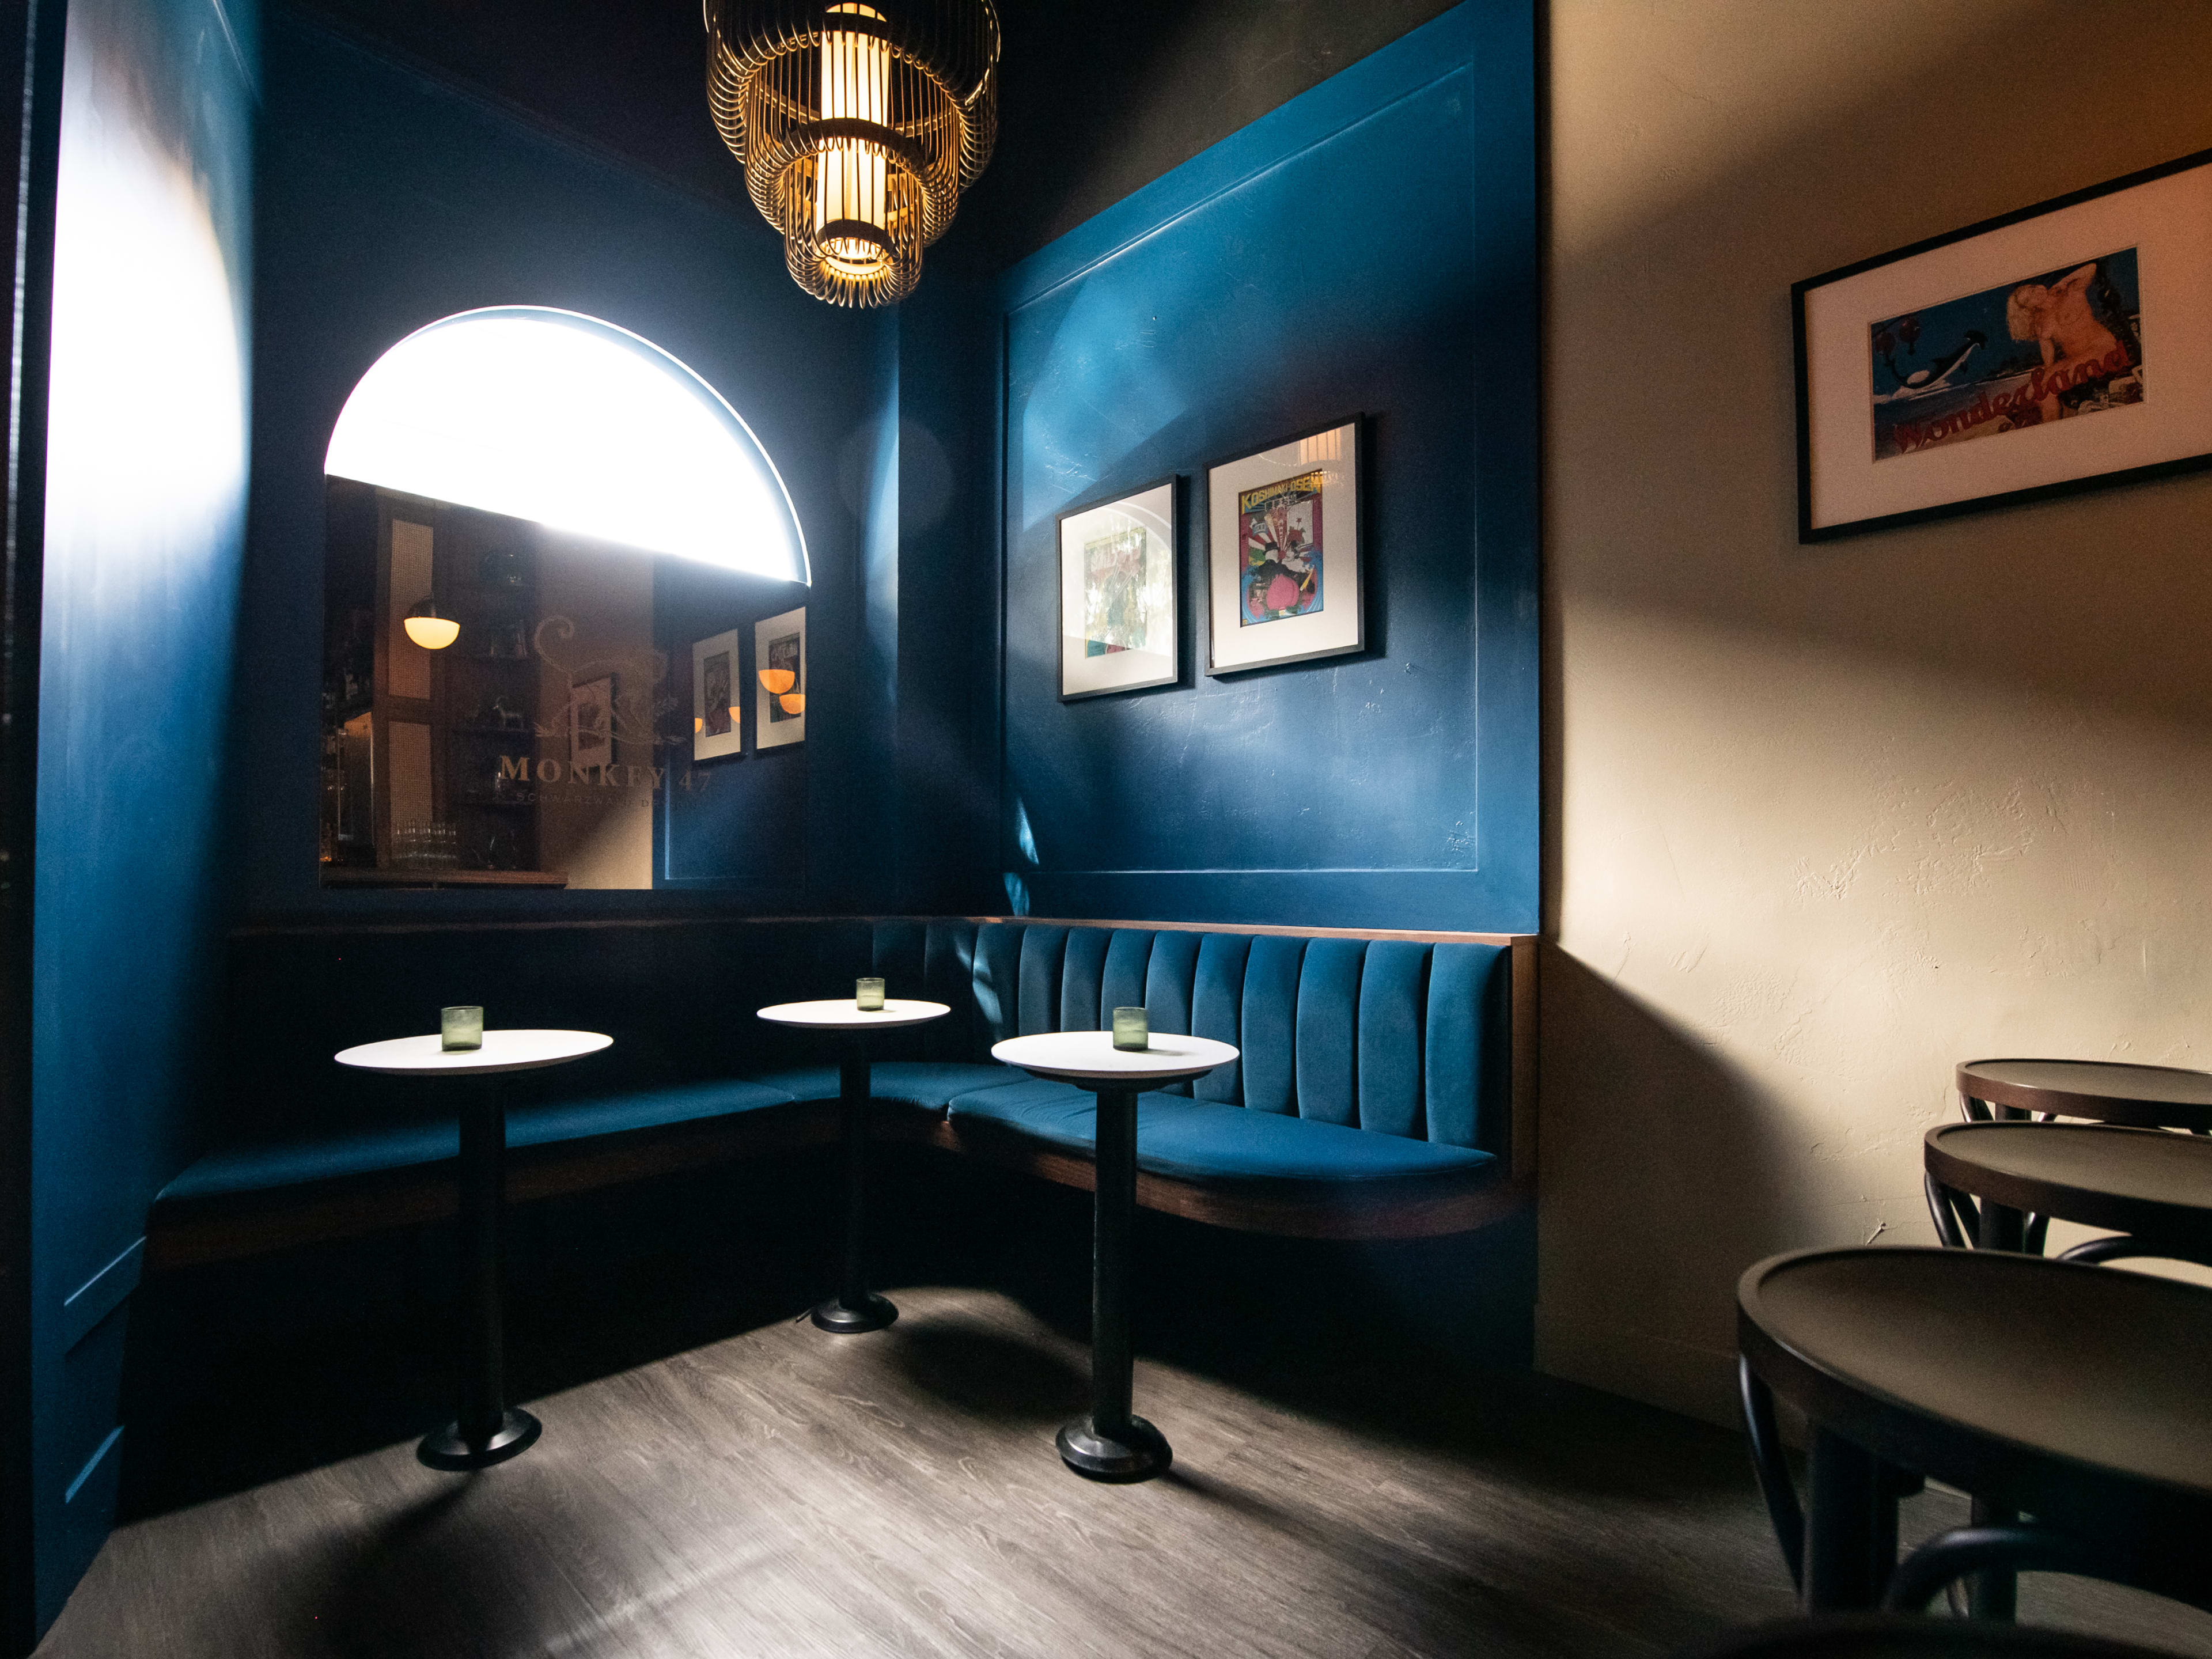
784 1492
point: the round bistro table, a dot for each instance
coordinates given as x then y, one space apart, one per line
2144 1096
856 1307
487 1430
2075 1394
2153 1187
1113 1443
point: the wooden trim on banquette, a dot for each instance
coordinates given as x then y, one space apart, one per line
1267 929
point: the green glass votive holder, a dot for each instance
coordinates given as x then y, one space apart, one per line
1130 1030
868 995
460 1028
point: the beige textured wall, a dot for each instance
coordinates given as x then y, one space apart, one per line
1827 820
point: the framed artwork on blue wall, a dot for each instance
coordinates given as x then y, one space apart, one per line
780 680
1120 584
717 728
1283 553
2053 350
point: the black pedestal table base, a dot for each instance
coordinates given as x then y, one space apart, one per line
486 1431
1113 1443
449 1449
855 1309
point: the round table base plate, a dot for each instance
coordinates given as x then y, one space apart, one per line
1138 1453
871 1315
446 1449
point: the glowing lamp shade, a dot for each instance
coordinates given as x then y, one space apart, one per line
572 423
777 681
428 629
860 123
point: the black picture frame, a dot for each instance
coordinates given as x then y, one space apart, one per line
1805 349
1358 423
1177 518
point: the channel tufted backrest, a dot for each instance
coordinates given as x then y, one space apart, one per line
1396 1036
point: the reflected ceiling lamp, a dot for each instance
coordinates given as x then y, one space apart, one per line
778 683
427 629
860 122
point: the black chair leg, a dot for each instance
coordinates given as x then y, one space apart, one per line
1767 1462
1851 1515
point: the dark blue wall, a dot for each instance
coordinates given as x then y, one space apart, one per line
144 529
387 202
1369 247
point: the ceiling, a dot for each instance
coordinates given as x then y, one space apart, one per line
1098 97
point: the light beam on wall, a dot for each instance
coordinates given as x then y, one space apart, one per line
573 423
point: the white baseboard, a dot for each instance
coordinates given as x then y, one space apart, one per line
1677 1376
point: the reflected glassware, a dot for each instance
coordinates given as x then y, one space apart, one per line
868 995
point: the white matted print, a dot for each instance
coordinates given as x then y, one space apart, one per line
2065 346
717 728
1283 553
1118 589
780 680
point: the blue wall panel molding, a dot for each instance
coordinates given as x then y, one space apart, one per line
145 521
387 202
1369 247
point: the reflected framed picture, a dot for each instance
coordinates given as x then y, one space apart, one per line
717 729
1283 554
1119 581
2061 348
780 680
591 722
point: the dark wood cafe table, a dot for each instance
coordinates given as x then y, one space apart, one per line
2073 1394
1113 1443
856 1307
2154 1186
487 1430
2146 1097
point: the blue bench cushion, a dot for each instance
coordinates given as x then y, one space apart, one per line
1204 1140
258 1168
926 1084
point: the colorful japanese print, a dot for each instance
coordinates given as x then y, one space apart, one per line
1117 594
1115 616
1279 530
2011 360
1283 549
2059 344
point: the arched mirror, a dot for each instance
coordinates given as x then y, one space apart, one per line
534 519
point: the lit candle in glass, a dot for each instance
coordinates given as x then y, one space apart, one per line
460 1028
1130 1030
868 995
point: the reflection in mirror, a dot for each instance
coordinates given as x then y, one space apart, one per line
526 752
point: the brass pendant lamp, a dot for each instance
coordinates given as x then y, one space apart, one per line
860 122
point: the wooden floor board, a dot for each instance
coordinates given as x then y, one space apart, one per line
787 1492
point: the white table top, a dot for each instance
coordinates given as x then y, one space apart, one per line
502 1051
841 1014
1091 1057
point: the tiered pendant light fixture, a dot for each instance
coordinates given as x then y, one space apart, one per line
860 122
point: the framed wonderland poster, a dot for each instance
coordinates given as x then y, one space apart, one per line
1119 582
1283 578
2056 348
